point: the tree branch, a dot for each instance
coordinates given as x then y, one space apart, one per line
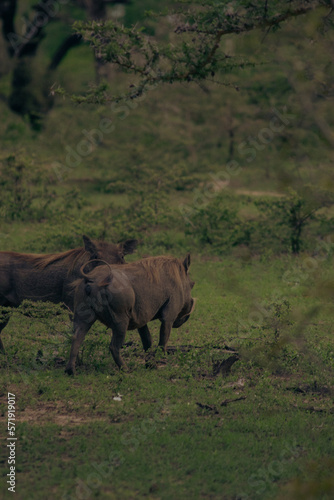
190 60
257 24
70 42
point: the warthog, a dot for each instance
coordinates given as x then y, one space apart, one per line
128 297
48 277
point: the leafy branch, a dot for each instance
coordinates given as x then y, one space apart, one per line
193 52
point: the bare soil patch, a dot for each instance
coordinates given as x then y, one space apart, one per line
56 412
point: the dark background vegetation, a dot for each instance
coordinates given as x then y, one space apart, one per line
161 174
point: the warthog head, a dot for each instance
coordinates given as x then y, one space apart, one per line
109 251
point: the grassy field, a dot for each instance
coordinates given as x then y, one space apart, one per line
182 430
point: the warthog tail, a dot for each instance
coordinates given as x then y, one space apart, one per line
93 260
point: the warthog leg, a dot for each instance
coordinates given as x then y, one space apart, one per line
145 336
117 340
165 329
80 330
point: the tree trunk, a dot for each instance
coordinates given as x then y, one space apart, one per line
30 93
7 14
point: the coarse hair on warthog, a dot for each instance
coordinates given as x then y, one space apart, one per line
150 266
128 297
48 277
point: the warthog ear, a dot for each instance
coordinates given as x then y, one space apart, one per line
90 246
186 262
128 246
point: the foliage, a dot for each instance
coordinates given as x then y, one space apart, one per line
146 214
22 185
193 53
286 218
280 224
28 194
218 224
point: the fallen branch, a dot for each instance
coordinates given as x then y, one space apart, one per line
214 409
188 348
181 348
208 407
314 410
228 401
224 367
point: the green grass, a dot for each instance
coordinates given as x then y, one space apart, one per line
170 436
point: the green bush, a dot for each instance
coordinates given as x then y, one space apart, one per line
28 195
23 187
218 224
288 224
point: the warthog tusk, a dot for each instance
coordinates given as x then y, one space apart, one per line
193 306
191 310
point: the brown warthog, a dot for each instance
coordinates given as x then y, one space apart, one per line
48 277
128 297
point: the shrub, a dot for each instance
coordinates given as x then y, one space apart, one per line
286 219
24 189
218 224
288 224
